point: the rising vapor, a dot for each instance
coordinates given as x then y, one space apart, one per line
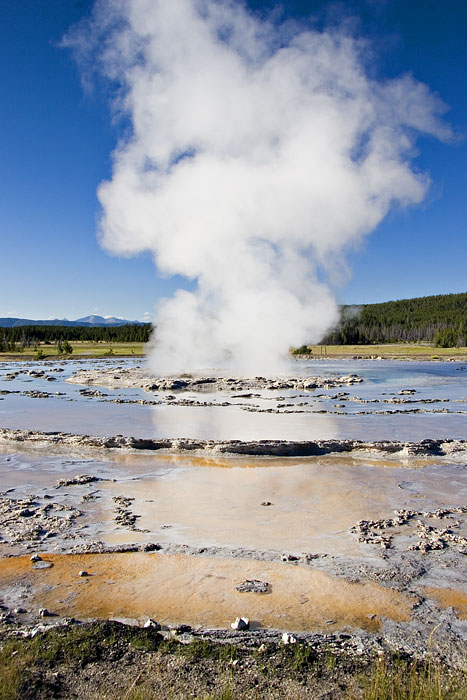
256 154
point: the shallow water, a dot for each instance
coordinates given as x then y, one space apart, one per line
199 590
313 502
444 383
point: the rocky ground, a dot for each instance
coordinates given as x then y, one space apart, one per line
278 448
109 660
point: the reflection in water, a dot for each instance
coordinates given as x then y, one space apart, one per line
311 509
230 423
311 503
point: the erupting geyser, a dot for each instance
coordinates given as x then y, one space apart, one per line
257 154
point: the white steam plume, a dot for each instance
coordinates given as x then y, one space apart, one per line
257 154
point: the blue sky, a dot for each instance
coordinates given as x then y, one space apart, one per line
56 143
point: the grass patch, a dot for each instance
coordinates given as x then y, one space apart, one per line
13 665
390 350
199 650
141 665
386 351
102 349
226 693
88 349
79 644
298 656
397 679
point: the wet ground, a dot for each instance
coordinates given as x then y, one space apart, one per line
372 541
295 504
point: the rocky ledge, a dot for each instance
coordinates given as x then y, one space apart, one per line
137 377
274 448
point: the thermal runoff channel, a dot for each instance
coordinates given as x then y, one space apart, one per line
255 154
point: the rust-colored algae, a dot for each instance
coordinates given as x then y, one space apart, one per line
449 598
199 591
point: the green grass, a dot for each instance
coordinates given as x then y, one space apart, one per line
387 350
199 649
80 348
74 646
90 349
298 656
25 665
404 680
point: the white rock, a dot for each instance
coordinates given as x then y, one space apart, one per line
152 623
241 623
288 638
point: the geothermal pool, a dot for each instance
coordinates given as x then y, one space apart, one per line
371 410
194 525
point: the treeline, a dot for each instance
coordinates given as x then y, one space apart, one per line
441 320
21 337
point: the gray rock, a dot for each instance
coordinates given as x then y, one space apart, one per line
278 448
253 586
26 513
150 547
43 565
78 480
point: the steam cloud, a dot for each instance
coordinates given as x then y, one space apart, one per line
257 154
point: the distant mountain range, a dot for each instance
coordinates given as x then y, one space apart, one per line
86 321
